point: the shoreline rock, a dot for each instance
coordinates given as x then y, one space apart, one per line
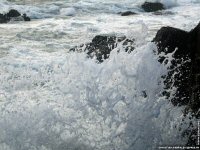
101 46
152 6
184 71
127 13
13 15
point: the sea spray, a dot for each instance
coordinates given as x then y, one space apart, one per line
73 102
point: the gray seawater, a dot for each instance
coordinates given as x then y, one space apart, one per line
51 99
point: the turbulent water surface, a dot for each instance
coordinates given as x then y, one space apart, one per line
51 99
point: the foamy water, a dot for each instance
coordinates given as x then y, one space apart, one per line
51 99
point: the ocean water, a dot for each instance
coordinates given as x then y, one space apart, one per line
53 99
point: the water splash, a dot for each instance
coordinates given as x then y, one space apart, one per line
69 102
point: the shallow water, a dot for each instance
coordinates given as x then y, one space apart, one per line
51 99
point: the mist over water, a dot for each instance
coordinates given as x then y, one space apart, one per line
53 99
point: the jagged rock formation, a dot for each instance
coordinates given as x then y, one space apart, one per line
13 15
169 39
182 83
152 7
102 45
184 70
195 47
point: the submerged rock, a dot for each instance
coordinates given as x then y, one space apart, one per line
151 7
127 13
163 13
13 15
102 45
180 50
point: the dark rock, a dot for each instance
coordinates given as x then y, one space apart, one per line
195 61
127 13
184 70
144 94
193 138
168 39
13 15
3 18
151 7
102 45
183 76
26 18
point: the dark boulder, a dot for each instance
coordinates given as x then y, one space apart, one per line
26 18
182 83
169 39
195 61
184 70
127 13
3 18
102 45
152 7
13 15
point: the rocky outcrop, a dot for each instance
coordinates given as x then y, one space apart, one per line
3 18
176 41
13 15
180 50
195 57
152 7
127 13
102 45
184 70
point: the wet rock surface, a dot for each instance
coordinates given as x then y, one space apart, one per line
102 45
127 13
176 42
152 7
184 68
180 50
13 15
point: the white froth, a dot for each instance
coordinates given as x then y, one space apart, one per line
52 99
68 11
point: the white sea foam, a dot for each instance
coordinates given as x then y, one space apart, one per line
68 11
56 101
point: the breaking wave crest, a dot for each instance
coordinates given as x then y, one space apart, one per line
70 102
